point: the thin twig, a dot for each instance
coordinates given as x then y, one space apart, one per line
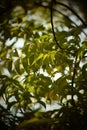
56 10
73 11
51 13
73 78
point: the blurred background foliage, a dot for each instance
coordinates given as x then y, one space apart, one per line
43 62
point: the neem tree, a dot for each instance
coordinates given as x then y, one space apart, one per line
43 59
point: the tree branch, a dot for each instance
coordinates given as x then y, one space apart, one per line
73 78
73 11
56 10
51 13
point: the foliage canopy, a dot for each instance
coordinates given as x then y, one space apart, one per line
43 61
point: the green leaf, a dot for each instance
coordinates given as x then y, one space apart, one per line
38 58
25 64
10 65
34 120
17 65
